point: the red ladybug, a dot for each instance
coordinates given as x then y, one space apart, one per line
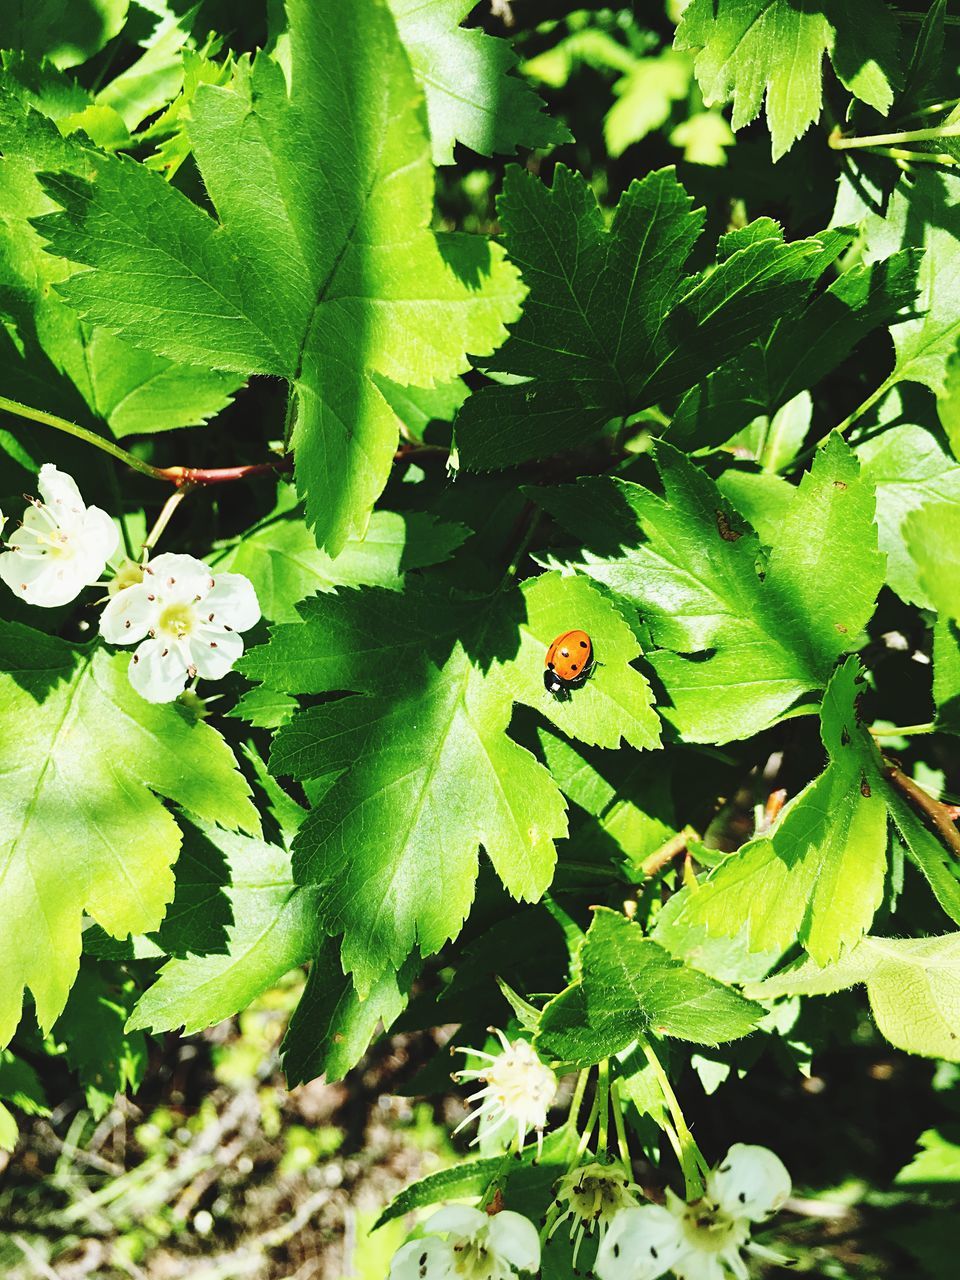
568 663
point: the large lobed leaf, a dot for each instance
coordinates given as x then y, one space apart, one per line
85 761
629 986
421 769
100 376
610 324
323 272
751 48
743 635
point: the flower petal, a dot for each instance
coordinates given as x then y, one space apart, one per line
214 652
178 577
42 581
428 1259
516 1239
59 491
100 537
158 671
458 1219
640 1244
129 616
751 1182
696 1264
233 601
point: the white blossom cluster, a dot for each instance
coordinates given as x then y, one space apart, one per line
703 1239
184 618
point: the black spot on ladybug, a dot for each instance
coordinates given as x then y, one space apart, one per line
573 666
564 653
550 666
583 644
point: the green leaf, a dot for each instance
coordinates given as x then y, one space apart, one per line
284 563
198 917
472 1177
323 274
923 213
85 760
797 353
748 48
762 498
427 772
632 804
946 673
913 985
331 1026
130 390
645 97
630 985
273 931
19 1085
933 541
937 1161
911 471
742 637
106 1059
466 75
67 32
818 876
616 701
610 325
430 775
157 76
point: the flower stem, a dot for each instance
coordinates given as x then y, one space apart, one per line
576 1101
839 143
688 1152
175 475
622 1145
603 1099
904 730
587 1132
80 433
163 519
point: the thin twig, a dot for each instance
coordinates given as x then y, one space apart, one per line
669 850
937 813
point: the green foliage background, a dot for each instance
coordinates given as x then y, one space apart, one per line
641 321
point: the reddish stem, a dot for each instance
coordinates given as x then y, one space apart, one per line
220 475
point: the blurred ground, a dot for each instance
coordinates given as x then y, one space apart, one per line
216 1170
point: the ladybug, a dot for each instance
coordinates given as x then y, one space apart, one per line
568 663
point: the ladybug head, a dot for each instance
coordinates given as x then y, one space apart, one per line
552 683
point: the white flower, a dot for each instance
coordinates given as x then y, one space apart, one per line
184 620
518 1090
62 545
698 1241
590 1196
477 1247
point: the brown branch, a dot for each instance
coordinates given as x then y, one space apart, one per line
220 475
937 814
